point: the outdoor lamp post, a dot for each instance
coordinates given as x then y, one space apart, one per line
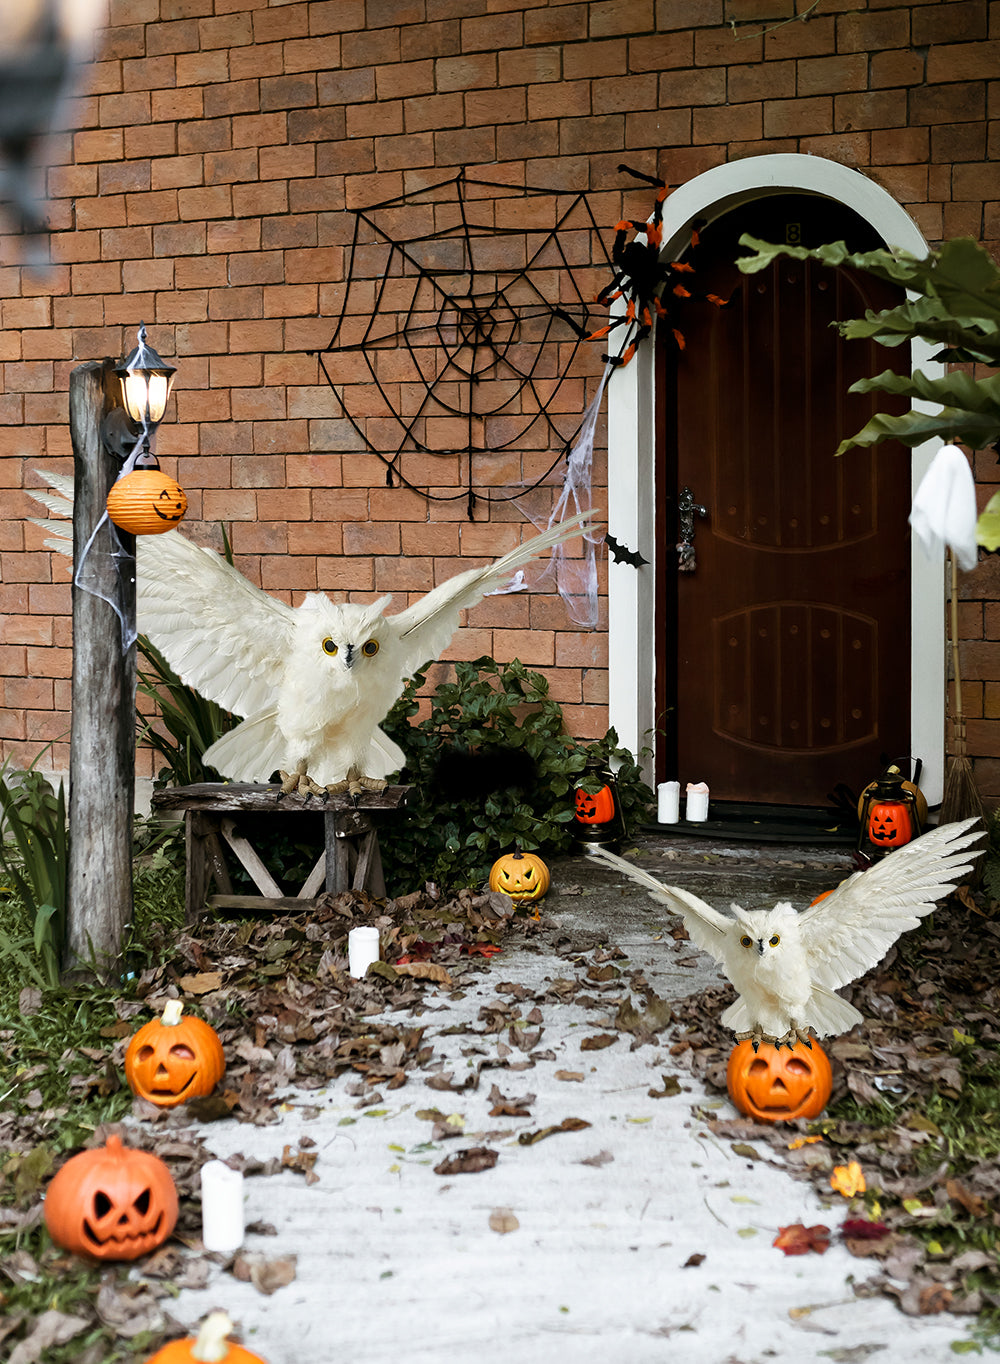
146 380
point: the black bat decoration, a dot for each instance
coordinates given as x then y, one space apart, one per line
622 554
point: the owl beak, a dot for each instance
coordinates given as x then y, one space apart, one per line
349 656
760 946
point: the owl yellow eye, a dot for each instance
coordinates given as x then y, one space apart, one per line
775 939
745 941
329 647
370 649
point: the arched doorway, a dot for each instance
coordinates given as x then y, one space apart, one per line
638 498
783 630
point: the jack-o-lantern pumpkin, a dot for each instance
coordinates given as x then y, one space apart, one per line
889 824
595 807
147 502
210 1346
775 1084
111 1203
522 876
172 1058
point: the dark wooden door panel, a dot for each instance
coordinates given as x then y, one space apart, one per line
792 632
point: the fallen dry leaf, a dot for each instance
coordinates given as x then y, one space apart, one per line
201 984
567 1125
51 1328
502 1220
569 1075
848 1179
425 970
799 1240
267 1276
693 1261
468 1161
671 1086
598 1042
602 1158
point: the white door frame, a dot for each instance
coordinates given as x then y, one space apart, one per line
632 508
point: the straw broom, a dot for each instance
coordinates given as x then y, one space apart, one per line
961 799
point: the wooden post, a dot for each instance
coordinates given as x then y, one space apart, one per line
102 734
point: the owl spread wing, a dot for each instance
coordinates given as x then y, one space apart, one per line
853 928
425 628
220 634
707 928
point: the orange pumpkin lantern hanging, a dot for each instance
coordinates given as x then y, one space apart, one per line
775 1084
889 816
522 876
172 1058
146 501
210 1346
111 1203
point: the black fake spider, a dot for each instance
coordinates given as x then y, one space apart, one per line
647 282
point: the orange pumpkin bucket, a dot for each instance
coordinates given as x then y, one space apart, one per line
775 1084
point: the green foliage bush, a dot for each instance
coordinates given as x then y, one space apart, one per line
485 709
34 850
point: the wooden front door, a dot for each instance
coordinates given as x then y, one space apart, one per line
790 630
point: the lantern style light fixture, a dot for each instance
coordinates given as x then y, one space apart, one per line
146 381
597 816
145 500
890 816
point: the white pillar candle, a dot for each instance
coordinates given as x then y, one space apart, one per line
221 1207
362 949
697 801
668 796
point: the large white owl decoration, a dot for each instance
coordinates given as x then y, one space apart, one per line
786 964
311 682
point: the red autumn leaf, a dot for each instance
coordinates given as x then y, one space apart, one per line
799 1240
482 949
857 1229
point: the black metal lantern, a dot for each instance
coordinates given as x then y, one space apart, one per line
146 380
889 817
597 814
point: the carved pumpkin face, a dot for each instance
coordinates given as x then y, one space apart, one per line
778 1085
146 502
173 1059
889 825
112 1203
594 808
522 876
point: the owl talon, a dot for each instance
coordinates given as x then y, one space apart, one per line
299 782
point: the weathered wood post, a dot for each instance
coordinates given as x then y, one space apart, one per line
102 734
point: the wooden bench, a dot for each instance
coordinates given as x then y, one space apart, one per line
351 859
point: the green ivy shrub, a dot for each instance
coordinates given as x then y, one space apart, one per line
505 717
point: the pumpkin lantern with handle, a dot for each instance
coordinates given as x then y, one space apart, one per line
889 816
779 1084
210 1346
597 816
172 1058
111 1203
146 501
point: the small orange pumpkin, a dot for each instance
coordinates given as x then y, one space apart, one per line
172 1059
210 1346
776 1084
146 502
889 824
111 1203
595 807
522 876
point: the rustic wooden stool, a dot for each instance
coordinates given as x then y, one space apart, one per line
350 860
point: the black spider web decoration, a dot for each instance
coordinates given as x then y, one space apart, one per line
462 313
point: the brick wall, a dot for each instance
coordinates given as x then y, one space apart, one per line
221 147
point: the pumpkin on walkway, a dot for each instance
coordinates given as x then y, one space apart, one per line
522 876
111 1203
210 1346
174 1058
779 1084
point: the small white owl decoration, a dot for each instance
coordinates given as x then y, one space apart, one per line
786 965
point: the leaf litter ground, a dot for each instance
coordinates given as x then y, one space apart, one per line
288 1013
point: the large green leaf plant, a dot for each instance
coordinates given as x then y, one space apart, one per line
953 301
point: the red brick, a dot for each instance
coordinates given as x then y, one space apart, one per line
963 62
729 122
468 72
951 23
876 109
963 102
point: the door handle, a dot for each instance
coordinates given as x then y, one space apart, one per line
687 509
